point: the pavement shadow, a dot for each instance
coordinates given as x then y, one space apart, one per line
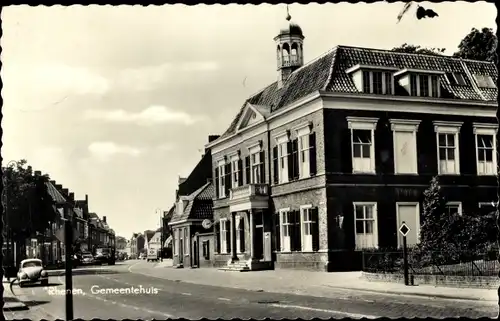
33 303
38 285
86 272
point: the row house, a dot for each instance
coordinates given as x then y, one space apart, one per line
331 158
192 241
100 233
137 244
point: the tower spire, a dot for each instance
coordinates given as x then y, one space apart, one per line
288 17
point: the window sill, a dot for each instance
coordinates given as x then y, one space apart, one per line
364 173
295 180
402 174
448 174
487 174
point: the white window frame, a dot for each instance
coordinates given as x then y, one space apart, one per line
417 219
288 243
255 150
223 235
405 125
490 130
281 142
306 240
222 174
362 123
459 204
186 242
384 82
431 91
448 128
234 170
304 155
375 223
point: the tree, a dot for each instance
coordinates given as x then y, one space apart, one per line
419 50
479 45
28 205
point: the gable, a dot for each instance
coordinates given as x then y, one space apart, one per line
249 117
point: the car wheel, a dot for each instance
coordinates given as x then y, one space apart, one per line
21 285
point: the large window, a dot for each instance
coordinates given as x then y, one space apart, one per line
365 215
283 162
405 145
448 147
425 85
362 144
307 228
240 233
255 164
220 179
235 172
286 229
377 82
486 154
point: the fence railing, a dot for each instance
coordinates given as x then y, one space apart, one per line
430 263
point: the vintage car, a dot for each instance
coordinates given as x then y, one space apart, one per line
88 259
31 271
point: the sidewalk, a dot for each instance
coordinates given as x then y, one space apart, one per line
12 302
309 283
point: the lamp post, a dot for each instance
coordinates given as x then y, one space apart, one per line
158 211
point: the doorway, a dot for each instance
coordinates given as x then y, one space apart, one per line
259 235
181 251
196 258
410 214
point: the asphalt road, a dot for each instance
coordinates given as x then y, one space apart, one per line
193 301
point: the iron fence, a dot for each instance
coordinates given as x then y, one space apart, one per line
431 263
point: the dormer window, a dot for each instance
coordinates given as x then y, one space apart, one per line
484 81
373 79
420 83
377 82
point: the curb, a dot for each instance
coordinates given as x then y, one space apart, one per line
424 295
441 296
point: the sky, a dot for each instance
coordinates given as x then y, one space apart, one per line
117 102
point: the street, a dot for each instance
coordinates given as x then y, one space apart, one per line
193 301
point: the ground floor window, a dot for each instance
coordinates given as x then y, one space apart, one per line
285 220
307 228
206 250
223 235
365 227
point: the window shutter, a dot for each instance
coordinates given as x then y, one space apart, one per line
240 172
315 229
295 157
247 170
228 179
217 237
275 165
312 154
242 234
289 158
228 236
262 167
217 182
298 234
277 230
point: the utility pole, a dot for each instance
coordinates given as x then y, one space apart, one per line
68 239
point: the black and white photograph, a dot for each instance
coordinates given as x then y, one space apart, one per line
276 161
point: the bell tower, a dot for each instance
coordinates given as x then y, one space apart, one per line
289 49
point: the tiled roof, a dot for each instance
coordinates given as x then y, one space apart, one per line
328 72
78 212
54 193
199 204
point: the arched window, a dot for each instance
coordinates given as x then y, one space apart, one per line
286 54
294 55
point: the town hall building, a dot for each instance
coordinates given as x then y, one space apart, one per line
333 156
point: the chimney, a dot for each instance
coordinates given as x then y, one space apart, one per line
65 191
72 196
211 138
53 183
86 199
59 186
104 219
38 173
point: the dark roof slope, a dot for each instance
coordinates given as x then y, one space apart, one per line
198 176
328 72
199 205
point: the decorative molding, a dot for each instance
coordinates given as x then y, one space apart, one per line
447 127
361 67
362 123
234 155
255 148
418 71
485 128
304 128
282 137
406 125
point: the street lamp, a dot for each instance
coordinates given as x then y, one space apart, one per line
161 231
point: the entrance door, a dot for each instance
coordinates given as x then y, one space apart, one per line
181 251
267 247
196 258
258 238
410 214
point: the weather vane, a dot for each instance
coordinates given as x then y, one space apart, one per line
288 17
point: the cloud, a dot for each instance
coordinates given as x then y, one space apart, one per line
152 115
106 149
54 77
151 77
166 147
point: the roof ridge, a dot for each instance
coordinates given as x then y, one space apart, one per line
330 72
412 53
334 49
198 191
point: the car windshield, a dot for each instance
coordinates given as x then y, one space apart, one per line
87 256
102 251
32 264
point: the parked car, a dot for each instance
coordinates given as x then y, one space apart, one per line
142 256
105 255
31 271
88 259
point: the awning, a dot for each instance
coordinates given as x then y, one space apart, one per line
168 242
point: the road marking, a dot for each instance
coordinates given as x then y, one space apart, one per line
371 301
186 293
351 315
224 299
